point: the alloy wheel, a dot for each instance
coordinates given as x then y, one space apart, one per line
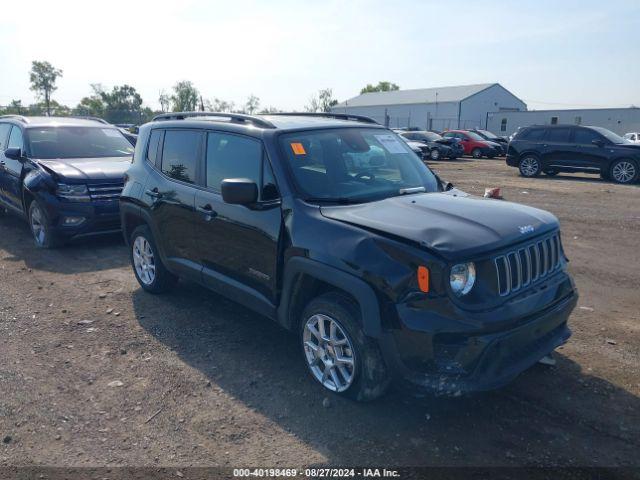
329 352
143 260
529 166
38 227
435 154
623 172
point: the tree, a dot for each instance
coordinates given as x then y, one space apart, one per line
381 87
43 78
123 104
92 105
185 97
322 102
252 105
15 108
165 101
219 105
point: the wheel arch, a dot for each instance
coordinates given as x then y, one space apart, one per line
305 279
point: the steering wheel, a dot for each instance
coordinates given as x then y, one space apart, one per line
362 175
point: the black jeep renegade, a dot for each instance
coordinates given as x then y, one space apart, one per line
331 226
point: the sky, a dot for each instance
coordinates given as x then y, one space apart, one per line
551 54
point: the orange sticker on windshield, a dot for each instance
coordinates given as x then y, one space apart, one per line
298 149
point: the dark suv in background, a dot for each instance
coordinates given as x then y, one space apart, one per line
439 146
64 175
569 148
331 226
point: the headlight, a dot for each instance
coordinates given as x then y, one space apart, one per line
78 193
462 278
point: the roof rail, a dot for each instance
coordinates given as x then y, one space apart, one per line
86 117
22 118
233 117
338 116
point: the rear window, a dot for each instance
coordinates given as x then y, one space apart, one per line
180 154
77 142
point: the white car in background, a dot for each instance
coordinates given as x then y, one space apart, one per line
633 137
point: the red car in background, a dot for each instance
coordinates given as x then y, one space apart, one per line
474 144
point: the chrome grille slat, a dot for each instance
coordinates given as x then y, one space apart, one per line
105 191
521 267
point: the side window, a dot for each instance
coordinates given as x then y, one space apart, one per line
152 149
232 156
558 135
554 120
578 120
268 189
584 136
534 134
4 133
180 154
503 125
15 138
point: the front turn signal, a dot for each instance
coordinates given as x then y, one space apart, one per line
423 279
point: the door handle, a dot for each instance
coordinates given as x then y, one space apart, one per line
154 193
207 210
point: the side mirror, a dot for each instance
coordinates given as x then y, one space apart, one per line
598 142
239 191
13 153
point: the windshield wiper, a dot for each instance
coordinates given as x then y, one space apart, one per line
338 200
410 190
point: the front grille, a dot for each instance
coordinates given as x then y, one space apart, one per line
520 268
105 191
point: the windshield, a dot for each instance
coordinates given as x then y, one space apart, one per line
427 136
355 165
609 135
474 136
77 142
487 134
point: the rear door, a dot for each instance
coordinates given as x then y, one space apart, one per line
238 245
12 171
557 149
5 128
170 194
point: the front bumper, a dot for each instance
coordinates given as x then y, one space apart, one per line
491 151
100 216
481 351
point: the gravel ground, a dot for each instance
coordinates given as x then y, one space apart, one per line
94 372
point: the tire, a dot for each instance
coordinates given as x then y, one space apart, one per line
365 377
551 173
529 166
434 154
476 153
624 171
40 226
147 265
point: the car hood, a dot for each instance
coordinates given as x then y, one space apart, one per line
89 169
453 224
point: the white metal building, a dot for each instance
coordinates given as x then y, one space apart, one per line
618 120
443 108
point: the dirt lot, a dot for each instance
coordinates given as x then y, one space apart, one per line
95 372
